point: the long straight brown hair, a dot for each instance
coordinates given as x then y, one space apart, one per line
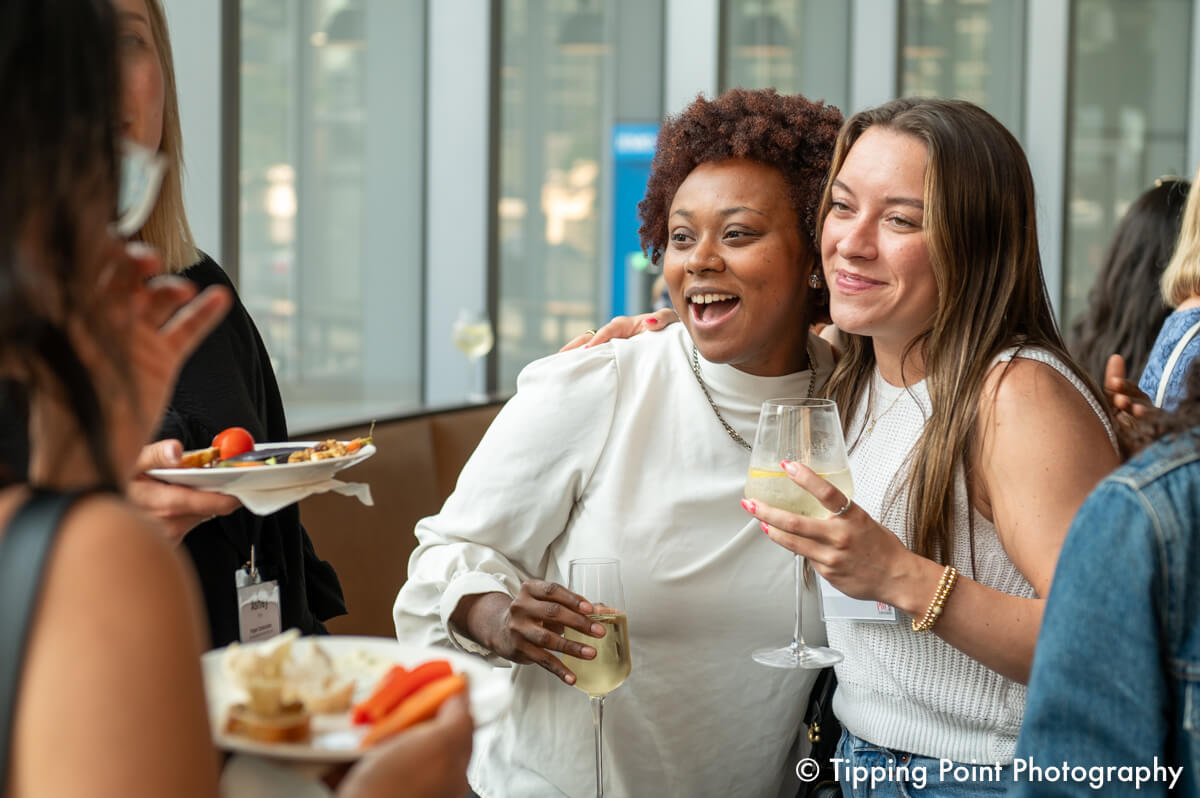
981 234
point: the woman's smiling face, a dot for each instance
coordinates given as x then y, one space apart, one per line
873 247
737 267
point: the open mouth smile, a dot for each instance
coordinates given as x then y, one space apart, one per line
711 308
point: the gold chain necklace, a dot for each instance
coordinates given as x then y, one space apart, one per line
738 439
866 433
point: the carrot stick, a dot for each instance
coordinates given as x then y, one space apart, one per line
360 714
388 696
420 706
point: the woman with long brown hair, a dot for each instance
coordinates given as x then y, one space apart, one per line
973 437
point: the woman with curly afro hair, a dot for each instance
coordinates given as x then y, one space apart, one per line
638 450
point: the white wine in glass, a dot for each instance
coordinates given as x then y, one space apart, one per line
599 581
804 431
472 335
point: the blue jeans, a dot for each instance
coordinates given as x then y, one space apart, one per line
871 771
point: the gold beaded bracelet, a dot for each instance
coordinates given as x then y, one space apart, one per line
934 610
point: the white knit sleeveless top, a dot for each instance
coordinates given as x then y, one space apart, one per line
913 691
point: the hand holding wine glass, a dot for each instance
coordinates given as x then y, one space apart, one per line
528 629
855 553
600 581
806 431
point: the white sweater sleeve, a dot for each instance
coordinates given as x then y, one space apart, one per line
514 496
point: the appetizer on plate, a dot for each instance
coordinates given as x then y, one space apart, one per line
288 680
235 448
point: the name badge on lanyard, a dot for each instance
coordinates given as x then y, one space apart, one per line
259 616
837 606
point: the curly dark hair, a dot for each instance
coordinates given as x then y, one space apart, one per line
786 131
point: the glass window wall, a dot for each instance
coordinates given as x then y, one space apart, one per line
795 46
1128 121
966 49
331 199
571 72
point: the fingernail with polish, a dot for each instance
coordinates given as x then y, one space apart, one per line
788 466
763 524
651 322
749 506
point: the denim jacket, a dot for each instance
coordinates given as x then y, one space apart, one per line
1116 675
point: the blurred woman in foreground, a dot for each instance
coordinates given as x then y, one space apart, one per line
102 692
227 381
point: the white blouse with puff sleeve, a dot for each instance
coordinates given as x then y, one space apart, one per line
614 451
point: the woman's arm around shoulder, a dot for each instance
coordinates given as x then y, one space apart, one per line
112 699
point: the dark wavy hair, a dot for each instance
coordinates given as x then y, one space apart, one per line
1125 306
59 88
785 131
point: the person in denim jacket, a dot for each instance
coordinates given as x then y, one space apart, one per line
1116 675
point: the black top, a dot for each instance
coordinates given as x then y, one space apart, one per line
227 382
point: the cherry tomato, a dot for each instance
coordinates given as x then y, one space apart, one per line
233 441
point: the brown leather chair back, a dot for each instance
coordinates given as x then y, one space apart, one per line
412 472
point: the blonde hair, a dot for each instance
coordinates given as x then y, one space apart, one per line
167 228
1181 279
983 251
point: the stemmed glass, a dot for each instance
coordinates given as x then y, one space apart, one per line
473 337
804 431
599 581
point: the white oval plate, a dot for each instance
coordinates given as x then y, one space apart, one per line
334 738
266 477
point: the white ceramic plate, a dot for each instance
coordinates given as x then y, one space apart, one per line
334 738
282 475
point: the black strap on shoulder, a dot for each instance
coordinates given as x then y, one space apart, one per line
24 550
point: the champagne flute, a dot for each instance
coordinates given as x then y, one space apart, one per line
804 431
472 334
599 581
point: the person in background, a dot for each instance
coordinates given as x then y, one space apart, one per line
638 450
102 692
1125 307
1177 347
1114 683
227 382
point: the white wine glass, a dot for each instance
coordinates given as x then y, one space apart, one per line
472 334
599 581
804 431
